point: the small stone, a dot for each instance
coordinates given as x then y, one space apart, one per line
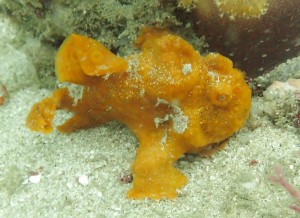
126 178
35 179
99 194
83 180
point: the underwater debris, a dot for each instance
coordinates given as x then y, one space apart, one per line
35 178
83 180
126 178
3 94
253 162
297 120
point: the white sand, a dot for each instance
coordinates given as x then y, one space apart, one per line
222 186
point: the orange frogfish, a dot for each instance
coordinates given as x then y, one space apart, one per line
173 99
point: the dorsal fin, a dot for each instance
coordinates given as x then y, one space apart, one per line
79 58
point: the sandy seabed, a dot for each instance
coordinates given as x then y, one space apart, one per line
44 175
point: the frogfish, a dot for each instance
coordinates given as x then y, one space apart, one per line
173 99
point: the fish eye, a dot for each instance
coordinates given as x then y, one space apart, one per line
222 97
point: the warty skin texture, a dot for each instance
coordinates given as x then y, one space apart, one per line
173 99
